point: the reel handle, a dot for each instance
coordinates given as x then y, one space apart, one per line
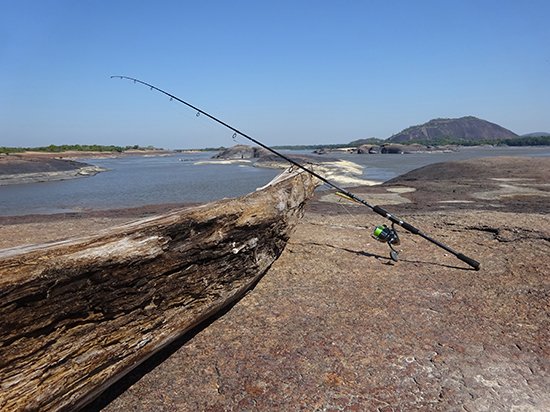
473 263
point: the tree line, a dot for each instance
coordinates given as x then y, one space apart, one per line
74 147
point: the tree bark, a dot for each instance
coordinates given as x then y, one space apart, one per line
78 314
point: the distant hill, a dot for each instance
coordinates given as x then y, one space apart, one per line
439 131
370 140
536 134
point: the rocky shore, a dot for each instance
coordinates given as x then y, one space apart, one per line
32 167
390 148
338 171
336 325
16 169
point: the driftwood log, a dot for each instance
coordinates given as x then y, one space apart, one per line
78 314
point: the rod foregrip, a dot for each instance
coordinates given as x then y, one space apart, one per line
410 228
473 263
380 211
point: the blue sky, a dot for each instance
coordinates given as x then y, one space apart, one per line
285 72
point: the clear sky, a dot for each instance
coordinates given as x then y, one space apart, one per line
286 72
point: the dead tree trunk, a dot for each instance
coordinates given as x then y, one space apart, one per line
78 314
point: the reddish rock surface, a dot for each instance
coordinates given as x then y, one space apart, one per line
335 325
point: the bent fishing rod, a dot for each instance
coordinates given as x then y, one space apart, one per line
382 233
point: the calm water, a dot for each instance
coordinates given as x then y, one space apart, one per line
137 181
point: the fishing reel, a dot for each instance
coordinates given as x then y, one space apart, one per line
384 234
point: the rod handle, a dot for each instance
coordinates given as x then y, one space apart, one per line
473 263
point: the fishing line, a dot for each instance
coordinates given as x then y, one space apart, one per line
343 206
381 233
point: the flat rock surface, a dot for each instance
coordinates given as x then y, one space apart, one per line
335 325
17 164
17 169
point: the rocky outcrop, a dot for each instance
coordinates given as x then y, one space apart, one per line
464 128
392 148
23 169
19 178
241 152
368 149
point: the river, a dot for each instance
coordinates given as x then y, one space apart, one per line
138 181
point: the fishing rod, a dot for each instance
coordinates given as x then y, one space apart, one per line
381 233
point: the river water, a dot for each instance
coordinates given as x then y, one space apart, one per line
138 181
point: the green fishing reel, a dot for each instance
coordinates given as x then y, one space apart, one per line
384 234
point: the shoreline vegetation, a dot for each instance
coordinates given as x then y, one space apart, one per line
70 148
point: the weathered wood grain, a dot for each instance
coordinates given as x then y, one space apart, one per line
76 315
